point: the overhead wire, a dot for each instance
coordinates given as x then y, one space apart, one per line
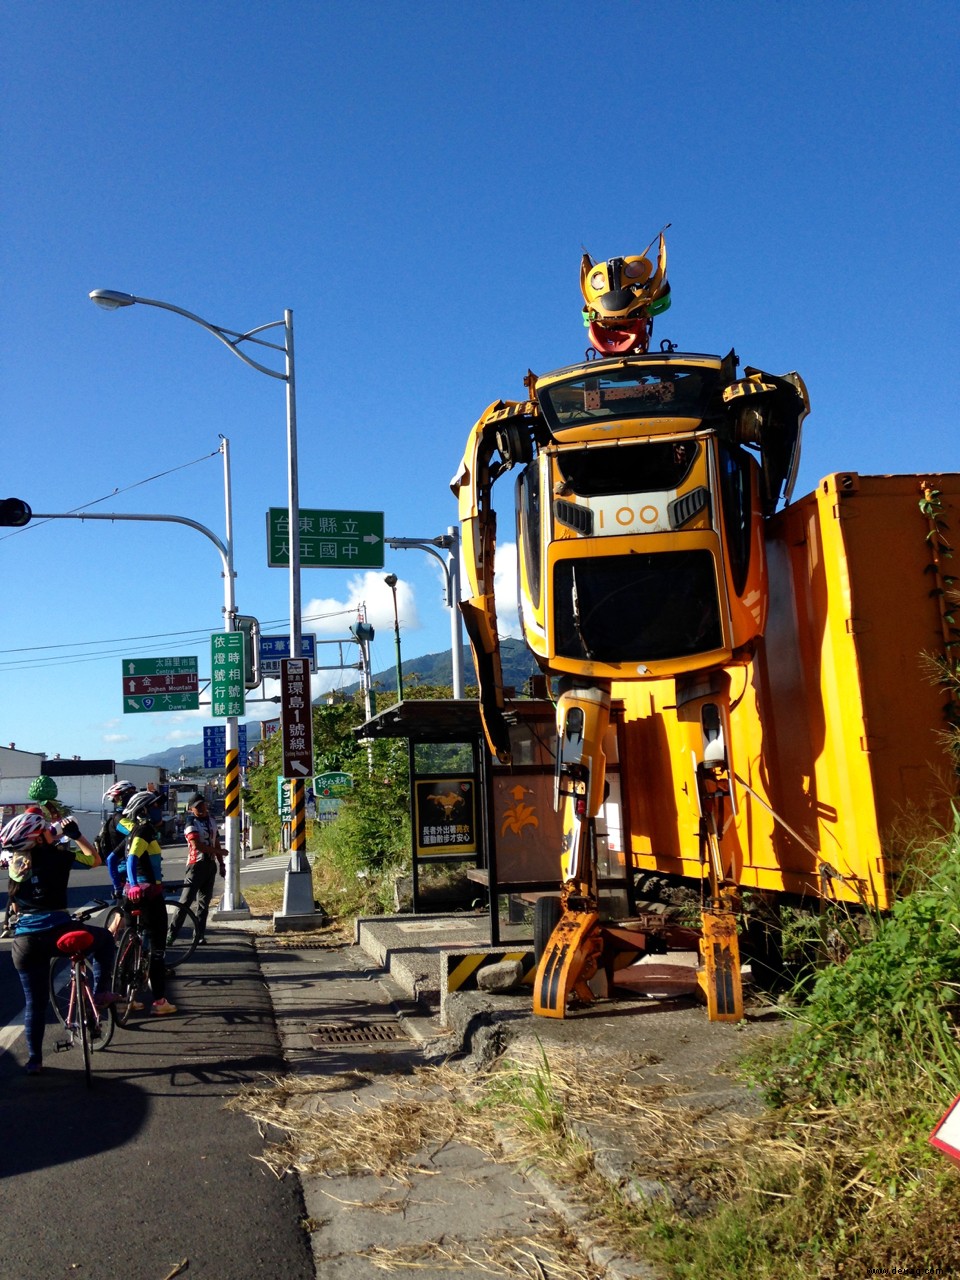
36 524
133 644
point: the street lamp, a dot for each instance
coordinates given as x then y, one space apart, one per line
391 581
298 890
112 300
233 903
449 542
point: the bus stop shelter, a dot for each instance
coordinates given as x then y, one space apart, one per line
495 821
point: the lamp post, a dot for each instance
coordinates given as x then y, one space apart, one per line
298 891
391 581
449 542
233 903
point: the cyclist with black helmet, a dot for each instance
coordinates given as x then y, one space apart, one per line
144 890
39 861
204 860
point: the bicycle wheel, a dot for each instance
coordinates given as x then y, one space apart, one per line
103 1023
60 971
185 943
84 1014
127 975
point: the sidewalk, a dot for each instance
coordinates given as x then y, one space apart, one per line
356 1021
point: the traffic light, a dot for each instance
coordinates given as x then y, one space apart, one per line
251 650
14 511
362 631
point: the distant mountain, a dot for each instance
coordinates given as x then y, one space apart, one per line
431 668
437 668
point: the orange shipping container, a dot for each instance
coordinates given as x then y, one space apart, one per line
835 725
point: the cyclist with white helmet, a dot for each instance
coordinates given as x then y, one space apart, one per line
39 863
145 891
112 837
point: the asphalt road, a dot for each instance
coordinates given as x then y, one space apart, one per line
147 1169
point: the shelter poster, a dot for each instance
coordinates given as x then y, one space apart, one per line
446 818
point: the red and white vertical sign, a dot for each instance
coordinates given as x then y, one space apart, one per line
296 718
946 1136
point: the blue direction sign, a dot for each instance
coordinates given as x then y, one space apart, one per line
215 745
273 649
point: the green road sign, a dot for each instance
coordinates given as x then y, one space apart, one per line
332 784
161 702
226 668
160 684
159 666
283 799
328 539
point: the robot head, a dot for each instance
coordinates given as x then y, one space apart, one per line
622 296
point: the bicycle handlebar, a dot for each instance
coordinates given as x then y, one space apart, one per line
91 909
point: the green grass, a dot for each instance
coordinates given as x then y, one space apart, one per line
841 1179
837 1178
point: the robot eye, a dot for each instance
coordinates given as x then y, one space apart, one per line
633 270
598 280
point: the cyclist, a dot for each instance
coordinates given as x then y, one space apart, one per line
143 888
42 792
204 860
112 838
40 861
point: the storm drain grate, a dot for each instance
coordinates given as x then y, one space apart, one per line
354 1033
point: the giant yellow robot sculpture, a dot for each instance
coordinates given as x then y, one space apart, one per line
645 479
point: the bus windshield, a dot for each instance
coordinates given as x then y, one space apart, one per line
653 391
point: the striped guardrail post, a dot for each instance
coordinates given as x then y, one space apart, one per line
231 785
298 824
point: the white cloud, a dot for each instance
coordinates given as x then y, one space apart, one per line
112 738
188 734
505 590
328 616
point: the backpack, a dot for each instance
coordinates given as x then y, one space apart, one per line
110 837
19 868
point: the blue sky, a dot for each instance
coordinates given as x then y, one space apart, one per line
416 182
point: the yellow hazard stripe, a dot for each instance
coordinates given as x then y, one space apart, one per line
467 967
231 785
298 816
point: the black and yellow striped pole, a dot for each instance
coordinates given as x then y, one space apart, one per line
232 898
296 728
231 786
298 822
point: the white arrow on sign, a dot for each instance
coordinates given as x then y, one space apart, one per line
370 537
300 768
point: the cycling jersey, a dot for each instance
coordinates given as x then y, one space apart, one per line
42 899
203 839
144 857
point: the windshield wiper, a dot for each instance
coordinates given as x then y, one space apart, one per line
575 603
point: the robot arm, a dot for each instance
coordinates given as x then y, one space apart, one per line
504 429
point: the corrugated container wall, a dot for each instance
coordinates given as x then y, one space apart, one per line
835 726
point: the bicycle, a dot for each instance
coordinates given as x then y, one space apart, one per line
131 971
185 943
72 997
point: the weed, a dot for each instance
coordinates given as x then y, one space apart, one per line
526 1092
888 1012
